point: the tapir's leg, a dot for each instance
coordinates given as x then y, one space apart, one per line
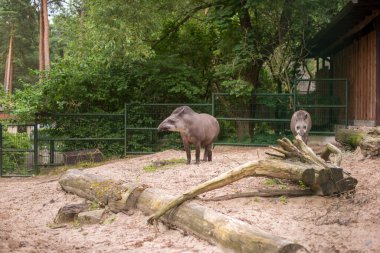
209 152
197 152
205 154
186 145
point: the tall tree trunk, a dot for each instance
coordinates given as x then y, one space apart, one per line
46 35
9 66
41 45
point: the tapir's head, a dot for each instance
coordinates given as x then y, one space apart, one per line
301 125
176 121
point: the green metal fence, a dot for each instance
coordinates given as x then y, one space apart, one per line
67 132
18 150
258 120
326 100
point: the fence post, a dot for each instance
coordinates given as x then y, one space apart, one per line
1 150
35 148
52 151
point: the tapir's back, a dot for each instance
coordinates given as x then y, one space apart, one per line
210 127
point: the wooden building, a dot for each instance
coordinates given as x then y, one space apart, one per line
349 47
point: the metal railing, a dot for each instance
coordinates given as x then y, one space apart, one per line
255 121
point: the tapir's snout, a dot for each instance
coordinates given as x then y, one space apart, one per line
163 127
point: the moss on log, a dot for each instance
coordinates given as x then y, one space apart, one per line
368 140
349 137
118 196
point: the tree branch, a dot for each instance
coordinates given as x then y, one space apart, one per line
182 21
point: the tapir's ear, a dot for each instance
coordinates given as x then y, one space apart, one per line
305 118
181 111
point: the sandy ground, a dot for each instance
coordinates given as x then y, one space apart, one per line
321 224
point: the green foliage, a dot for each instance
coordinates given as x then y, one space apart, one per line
302 184
94 206
115 52
283 200
108 53
85 126
272 181
16 162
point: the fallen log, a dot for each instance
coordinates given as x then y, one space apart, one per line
349 137
367 139
298 162
265 193
217 228
68 213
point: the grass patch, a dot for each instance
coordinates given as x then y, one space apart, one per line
275 182
163 164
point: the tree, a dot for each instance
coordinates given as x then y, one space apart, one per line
9 66
44 48
18 24
106 53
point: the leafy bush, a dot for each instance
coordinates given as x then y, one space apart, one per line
16 162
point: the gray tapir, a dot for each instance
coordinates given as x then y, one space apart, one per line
301 124
200 129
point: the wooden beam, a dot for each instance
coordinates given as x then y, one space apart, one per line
355 29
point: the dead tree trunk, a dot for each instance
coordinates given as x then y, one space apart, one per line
217 228
368 140
297 162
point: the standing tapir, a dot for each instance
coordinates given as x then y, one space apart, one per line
200 129
301 124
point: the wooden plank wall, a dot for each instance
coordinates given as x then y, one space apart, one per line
357 62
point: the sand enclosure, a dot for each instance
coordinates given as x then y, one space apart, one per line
321 224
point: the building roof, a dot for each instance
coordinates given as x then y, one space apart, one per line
354 17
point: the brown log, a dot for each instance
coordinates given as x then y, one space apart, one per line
349 137
265 193
331 149
118 196
229 233
68 213
301 164
368 140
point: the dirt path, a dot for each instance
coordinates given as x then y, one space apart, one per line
333 224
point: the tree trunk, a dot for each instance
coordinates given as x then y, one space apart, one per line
46 35
349 137
232 234
9 66
368 140
41 45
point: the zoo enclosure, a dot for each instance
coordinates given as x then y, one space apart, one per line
256 121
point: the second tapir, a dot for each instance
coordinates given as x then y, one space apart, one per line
200 129
300 124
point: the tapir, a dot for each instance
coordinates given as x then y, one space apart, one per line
200 129
300 124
